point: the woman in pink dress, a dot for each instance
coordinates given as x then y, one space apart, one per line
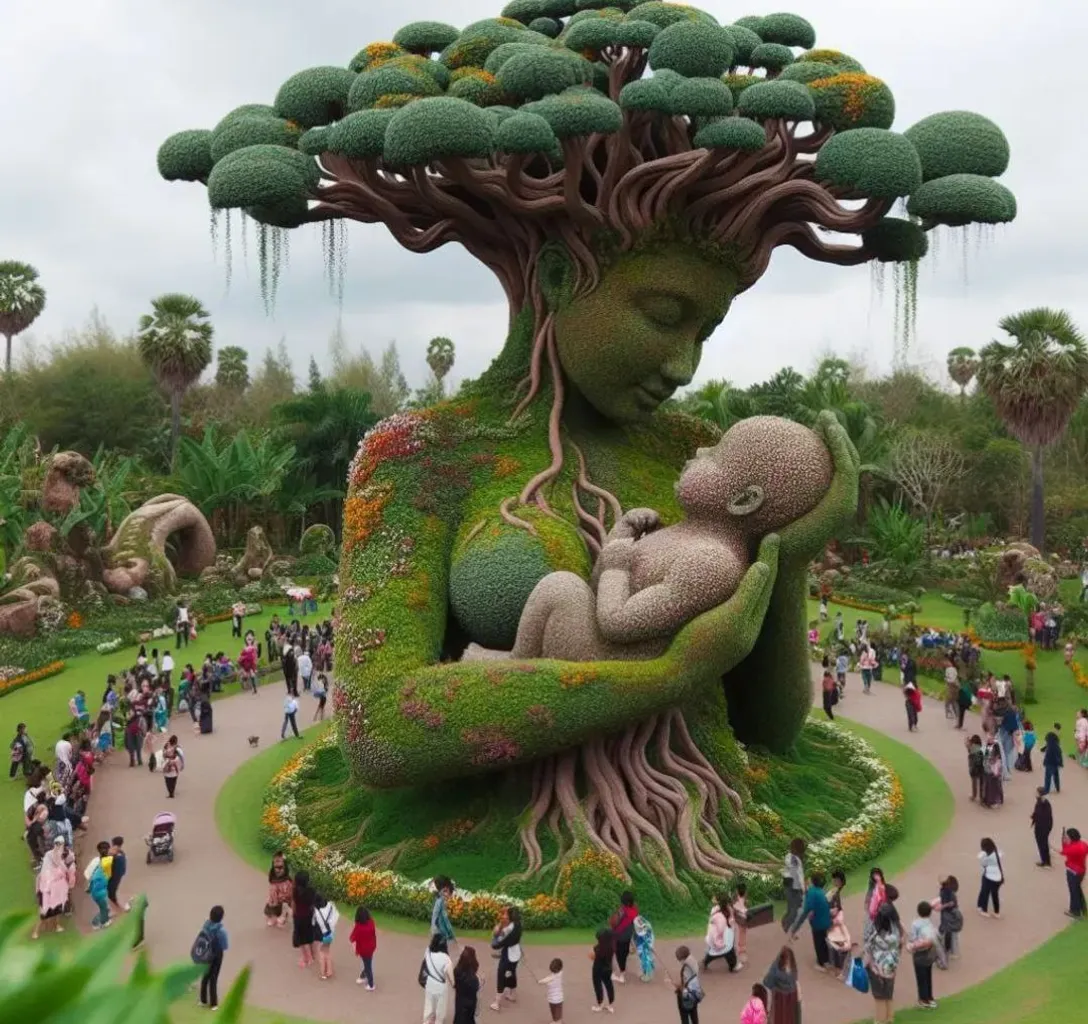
52 886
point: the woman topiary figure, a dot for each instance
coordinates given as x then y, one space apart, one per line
622 214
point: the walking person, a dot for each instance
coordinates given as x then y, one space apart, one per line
721 935
783 986
1075 851
118 870
830 693
912 699
689 992
51 888
506 938
951 688
167 669
1052 763
793 882
22 751
436 972
281 890
182 626
1080 737
951 920
208 949
554 989
440 918
466 987
601 975
134 739
237 614
290 710
922 947
1042 824
1006 736
98 887
842 665
173 764
302 907
867 663
964 700
325 918
881 958
816 910
976 765
305 666
622 923
1027 745
247 668
993 877
321 694
993 788
364 939
755 1010
289 665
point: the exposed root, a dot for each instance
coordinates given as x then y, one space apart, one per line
346 844
386 858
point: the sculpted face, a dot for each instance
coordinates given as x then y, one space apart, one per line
629 344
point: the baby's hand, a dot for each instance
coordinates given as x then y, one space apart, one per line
617 554
636 523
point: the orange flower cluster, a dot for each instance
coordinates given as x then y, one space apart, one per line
756 774
506 465
75 620
854 842
271 819
364 885
858 89
1028 654
896 798
1079 675
394 438
363 514
34 676
542 903
591 859
571 678
994 645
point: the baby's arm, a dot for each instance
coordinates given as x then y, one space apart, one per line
701 577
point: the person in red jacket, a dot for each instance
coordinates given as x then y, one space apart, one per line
622 923
914 705
1075 851
365 940
247 666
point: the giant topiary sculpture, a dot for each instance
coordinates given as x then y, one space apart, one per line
622 212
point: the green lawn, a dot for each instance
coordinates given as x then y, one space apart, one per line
44 708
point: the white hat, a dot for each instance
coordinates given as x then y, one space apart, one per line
59 841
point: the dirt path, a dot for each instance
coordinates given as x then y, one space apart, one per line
206 872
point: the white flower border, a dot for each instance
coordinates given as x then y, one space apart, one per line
877 815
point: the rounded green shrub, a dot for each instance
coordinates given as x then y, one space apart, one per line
895 240
315 97
315 141
536 73
646 94
578 111
635 33
262 175
478 87
413 62
247 110
787 30
526 133
805 71
389 80
374 55
665 14
692 48
732 133
835 58
426 37
738 83
751 22
744 43
317 539
853 100
432 128
959 142
701 97
475 44
590 34
872 162
501 54
546 27
361 135
766 101
186 156
252 130
499 113
960 199
772 56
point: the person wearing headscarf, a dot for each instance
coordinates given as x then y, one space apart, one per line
52 888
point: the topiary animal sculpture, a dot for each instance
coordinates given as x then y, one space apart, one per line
622 214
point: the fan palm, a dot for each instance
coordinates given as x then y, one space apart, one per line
440 355
232 370
22 300
1036 381
962 367
175 341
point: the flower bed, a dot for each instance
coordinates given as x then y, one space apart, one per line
878 824
13 682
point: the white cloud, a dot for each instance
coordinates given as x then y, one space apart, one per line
95 86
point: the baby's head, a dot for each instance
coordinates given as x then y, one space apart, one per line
764 473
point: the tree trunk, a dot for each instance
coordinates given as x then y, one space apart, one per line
175 426
1038 526
1029 687
7 354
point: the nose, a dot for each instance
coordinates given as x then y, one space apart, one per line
679 369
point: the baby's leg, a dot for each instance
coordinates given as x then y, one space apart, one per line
560 621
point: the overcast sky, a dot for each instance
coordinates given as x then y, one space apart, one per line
94 86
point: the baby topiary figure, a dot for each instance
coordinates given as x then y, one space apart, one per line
648 583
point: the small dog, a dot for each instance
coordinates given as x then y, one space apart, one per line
254 740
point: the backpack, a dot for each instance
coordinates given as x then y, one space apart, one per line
691 992
426 972
205 947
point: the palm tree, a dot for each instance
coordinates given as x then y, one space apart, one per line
962 367
175 341
232 370
1036 382
22 300
440 354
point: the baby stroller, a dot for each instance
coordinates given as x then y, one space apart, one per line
160 843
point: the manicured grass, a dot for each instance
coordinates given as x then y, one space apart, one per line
44 708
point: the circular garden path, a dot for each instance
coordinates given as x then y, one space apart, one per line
207 872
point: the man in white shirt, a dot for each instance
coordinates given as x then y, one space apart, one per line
305 666
63 749
290 710
167 667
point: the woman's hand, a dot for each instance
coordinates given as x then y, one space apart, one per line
804 539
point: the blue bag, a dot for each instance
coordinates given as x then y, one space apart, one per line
857 978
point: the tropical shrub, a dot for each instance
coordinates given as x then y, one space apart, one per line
1002 624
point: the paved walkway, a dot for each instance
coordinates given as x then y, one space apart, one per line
207 871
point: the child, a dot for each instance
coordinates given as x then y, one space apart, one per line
365 940
98 887
740 920
325 917
644 948
118 867
755 1011
554 981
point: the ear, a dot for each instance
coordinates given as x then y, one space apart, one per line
747 501
555 274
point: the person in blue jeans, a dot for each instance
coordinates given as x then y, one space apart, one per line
1052 761
98 889
816 910
209 993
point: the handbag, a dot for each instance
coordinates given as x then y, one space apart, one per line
857 977
925 957
954 919
691 994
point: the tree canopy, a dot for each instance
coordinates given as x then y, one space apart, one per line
22 300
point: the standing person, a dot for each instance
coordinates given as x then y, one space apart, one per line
554 982
98 887
321 694
622 924
305 666
51 887
755 1010
817 910
922 946
181 625
237 614
134 739
506 938
783 986
951 688
913 701
247 667
842 665
325 918
1075 851
1052 763
1027 739
1006 736
689 992
793 882
290 710
951 919
840 628
173 764
290 669
644 948
740 920
875 897
364 939
1070 650
466 987
118 870
881 955
830 693
281 890
867 662
22 751
601 975
440 918
993 877
721 935
437 973
964 700
302 907
1080 737
993 788
167 667
208 949
1042 824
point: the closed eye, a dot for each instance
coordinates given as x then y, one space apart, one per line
663 310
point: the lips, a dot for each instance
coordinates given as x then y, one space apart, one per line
650 397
